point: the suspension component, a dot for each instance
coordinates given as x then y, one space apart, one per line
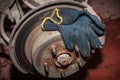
35 3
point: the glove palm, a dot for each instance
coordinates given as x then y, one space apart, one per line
81 30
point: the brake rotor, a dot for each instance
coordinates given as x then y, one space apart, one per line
45 48
45 59
35 51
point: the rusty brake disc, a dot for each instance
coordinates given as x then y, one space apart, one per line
35 51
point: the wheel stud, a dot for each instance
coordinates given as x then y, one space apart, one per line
46 69
54 51
62 74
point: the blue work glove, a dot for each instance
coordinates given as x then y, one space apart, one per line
84 29
70 16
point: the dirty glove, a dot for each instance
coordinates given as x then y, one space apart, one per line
70 16
82 31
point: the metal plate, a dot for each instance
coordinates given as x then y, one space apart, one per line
35 3
21 44
5 4
43 55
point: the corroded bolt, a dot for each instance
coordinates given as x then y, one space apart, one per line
62 74
81 63
46 69
77 50
54 51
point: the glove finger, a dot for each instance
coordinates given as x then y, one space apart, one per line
93 39
95 20
69 15
97 30
82 42
67 36
49 26
98 23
